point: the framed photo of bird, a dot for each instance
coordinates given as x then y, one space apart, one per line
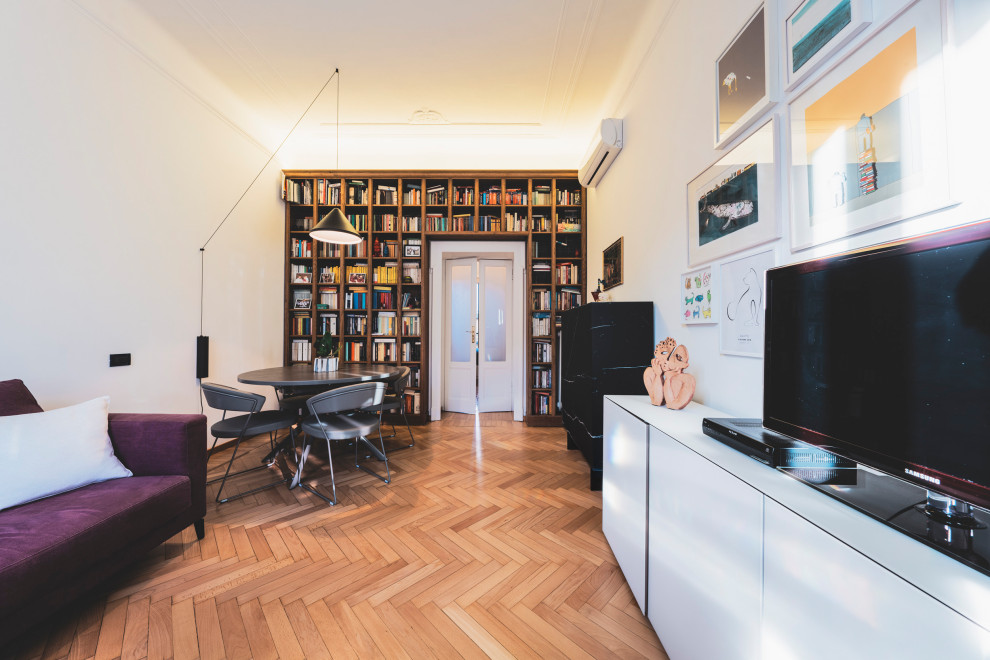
733 205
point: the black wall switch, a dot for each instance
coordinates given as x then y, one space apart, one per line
120 359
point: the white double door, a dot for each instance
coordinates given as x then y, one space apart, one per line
478 350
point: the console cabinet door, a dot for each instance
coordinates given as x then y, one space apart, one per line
624 471
705 555
822 599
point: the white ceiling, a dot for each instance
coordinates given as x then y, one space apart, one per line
506 68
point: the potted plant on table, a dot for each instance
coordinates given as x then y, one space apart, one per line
326 353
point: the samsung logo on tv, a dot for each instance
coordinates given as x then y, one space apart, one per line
933 480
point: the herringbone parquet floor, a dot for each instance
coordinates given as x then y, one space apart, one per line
486 543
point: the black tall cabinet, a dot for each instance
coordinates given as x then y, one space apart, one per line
604 349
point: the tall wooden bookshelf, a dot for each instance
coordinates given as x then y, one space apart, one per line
384 319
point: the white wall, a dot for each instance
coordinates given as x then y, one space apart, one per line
113 174
669 116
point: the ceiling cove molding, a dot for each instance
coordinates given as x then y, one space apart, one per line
164 73
577 64
210 27
553 60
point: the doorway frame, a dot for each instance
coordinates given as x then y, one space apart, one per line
482 249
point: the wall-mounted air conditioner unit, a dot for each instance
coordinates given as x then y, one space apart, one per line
606 148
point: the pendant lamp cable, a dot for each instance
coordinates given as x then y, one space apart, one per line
335 74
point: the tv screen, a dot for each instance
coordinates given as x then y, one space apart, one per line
883 356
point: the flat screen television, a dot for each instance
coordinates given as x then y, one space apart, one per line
882 355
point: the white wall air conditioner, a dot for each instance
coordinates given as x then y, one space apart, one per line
606 148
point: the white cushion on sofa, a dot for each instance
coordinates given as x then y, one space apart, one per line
47 453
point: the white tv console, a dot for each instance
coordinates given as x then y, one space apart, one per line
730 558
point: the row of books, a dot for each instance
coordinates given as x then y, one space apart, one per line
515 221
542 299
542 196
328 250
385 324
302 324
568 299
541 377
410 325
356 300
357 192
383 349
357 273
411 351
413 195
541 325
436 194
410 300
386 222
568 197
412 223
301 350
413 376
387 273
386 195
302 224
359 221
301 247
541 403
411 402
329 299
354 351
355 324
329 274
541 223
384 297
412 273
463 195
542 351
491 197
328 323
297 191
568 273
328 192
300 273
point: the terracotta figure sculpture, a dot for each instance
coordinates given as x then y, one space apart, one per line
653 376
678 387
665 379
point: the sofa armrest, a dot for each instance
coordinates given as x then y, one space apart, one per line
160 444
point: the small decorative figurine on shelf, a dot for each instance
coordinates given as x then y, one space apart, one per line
665 379
597 292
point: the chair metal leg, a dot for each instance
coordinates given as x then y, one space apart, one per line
379 454
227 474
297 480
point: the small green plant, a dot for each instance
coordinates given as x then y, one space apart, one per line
326 346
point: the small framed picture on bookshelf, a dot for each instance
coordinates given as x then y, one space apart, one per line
411 251
302 278
357 278
612 265
303 303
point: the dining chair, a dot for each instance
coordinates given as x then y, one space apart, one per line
394 402
255 422
340 414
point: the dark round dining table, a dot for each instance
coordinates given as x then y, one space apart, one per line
302 375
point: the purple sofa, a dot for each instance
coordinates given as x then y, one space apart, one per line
55 549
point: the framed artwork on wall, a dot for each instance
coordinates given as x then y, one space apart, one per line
612 265
698 297
733 204
743 303
818 28
868 139
743 79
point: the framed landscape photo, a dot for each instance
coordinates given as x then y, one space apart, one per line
733 204
612 265
743 76
868 139
698 297
818 28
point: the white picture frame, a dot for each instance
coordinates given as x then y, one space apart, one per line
743 303
815 30
747 173
698 293
749 60
838 187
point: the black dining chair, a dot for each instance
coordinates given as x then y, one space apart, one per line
395 402
340 414
255 422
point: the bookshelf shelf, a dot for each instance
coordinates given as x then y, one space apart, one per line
396 210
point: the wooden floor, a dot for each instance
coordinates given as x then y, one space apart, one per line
486 543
